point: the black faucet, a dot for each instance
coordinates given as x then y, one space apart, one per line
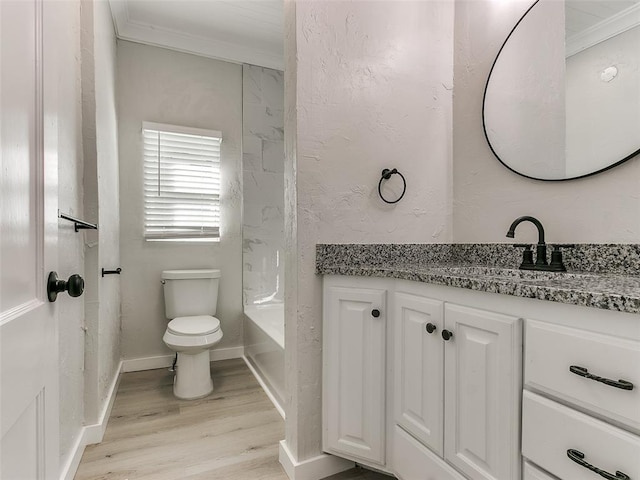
541 248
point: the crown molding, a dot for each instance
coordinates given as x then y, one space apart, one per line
126 29
615 25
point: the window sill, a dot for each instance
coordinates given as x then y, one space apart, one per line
198 241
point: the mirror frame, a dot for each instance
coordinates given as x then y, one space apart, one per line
484 126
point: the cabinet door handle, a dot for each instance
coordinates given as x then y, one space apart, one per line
375 313
583 372
578 457
446 334
430 328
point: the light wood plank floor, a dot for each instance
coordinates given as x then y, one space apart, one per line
231 434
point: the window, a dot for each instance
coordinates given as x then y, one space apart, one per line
181 183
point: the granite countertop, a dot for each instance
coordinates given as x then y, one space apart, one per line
619 291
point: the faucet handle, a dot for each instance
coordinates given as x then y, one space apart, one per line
527 256
557 264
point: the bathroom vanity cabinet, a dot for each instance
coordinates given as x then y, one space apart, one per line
400 397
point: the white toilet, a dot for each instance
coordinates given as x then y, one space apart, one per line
190 299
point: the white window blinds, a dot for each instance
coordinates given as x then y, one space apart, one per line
181 182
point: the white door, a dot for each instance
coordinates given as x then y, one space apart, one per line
28 220
418 368
354 372
483 384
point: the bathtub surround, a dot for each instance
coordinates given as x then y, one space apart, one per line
262 185
164 86
264 349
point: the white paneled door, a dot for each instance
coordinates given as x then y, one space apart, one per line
28 238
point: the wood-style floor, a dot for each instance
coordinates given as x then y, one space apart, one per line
231 434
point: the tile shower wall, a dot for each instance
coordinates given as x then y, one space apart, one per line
263 185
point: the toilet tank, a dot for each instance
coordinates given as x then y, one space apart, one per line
190 292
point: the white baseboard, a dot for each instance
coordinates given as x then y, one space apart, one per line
315 468
91 434
146 363
264 386
95 433
163 361
70 467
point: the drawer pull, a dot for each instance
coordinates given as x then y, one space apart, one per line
583 372
578 457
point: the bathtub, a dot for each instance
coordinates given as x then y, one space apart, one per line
264 348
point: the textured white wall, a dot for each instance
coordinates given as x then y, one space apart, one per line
370 88
100 149
70 243
488 197
108 194
164 86
262 185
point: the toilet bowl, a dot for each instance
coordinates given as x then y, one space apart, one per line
191 338
190 302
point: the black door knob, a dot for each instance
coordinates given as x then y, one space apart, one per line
375 312
430 328
75 286
447 335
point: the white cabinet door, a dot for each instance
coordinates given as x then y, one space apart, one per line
418 368
482 393
354 372
28 242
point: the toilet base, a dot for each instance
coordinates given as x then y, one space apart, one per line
193 376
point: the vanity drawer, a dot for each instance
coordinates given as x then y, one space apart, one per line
551 430
529 472
550 351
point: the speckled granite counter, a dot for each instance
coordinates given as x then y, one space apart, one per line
611 280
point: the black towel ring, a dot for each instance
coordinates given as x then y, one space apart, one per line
386 175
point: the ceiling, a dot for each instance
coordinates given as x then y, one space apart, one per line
584 14
589 22
251 31
240 31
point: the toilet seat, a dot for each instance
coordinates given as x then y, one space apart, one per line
192 334
194 325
